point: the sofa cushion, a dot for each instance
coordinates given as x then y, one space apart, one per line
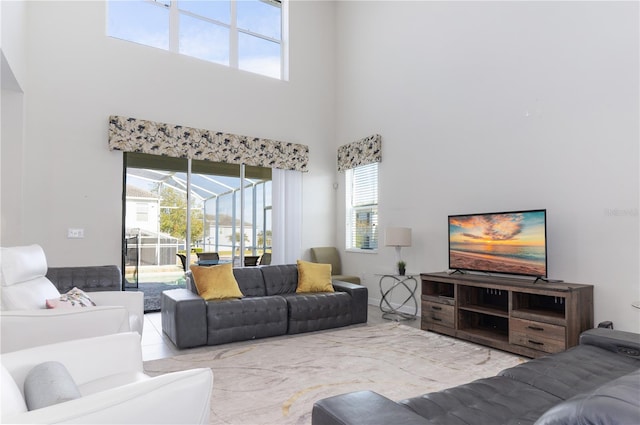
616 402
579 369
111 381
362 407
496 400
249 318
314 277
22 264
32 295
216 282
280 279
346 278
12 402
22 277
250 281
314 312
47 384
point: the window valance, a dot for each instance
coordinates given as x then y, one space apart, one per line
361 152
142 136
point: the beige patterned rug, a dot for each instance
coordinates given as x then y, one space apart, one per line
277 380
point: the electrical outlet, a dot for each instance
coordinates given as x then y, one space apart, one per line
75 233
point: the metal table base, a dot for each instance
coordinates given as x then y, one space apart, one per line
397 282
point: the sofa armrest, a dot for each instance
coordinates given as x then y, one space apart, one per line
132 301
625 343
188 282
363 407
184 318
615 402
86 359
22 329
175 398
359 299
87 278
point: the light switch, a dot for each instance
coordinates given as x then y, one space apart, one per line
75 233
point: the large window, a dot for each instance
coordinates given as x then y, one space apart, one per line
242 34
362 207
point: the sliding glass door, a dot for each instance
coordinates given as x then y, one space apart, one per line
155 211
229 229
161 192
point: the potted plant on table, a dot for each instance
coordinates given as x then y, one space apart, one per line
402 268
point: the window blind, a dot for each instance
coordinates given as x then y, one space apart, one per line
362 220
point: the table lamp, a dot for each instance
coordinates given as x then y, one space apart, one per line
398 237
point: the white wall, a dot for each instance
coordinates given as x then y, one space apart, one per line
482 107
12 42
78 77
13 81
11 168
496 106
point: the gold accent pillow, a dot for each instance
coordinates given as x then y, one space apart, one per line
216 282
314 277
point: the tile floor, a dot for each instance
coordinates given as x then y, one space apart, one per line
155 345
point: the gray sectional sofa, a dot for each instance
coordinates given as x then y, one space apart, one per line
87 278
596 382
270 307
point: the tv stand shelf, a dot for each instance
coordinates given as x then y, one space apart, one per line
485 310
510 314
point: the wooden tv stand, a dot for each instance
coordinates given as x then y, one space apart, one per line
510 314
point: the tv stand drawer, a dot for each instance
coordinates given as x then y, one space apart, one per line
438 314
537 335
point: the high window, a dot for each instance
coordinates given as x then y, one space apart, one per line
242 34
362 207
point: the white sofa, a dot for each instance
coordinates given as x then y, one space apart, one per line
26 322
108 372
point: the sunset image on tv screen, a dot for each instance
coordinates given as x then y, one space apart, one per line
512 243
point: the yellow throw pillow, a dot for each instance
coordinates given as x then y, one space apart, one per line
216 282
314 277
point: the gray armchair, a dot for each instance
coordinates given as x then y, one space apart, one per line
330 255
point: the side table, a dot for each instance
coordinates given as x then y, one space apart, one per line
390 283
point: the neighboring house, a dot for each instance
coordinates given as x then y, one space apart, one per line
223 231
142 230
142 210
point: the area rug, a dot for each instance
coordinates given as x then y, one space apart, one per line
152 293
277 380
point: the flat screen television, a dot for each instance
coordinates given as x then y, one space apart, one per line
507 242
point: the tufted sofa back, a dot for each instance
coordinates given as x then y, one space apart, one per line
261 281
250 281
87 278
280 279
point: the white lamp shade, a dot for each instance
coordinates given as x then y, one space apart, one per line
397 236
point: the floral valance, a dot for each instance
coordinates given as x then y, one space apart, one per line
361 152
142 136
